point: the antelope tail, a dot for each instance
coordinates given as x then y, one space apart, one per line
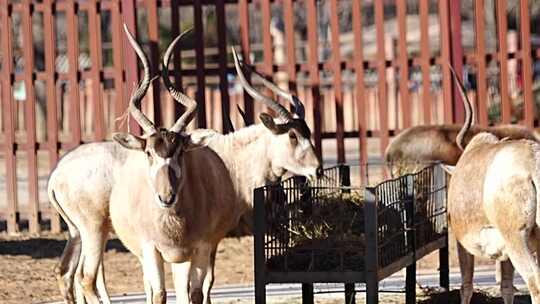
468 111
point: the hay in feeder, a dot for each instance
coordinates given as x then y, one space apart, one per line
324 233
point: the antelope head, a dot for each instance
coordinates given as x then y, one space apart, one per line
291 148
163 147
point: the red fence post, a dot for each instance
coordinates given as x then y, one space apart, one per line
153 37
200 63
118 59
403 65
313 63
525 21
360 85
338 84
381 73
243 12
94 25
7 111
223 81
502 32
481 89
129 12
30 120
52 117
456 58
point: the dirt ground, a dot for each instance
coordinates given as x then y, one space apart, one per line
485 296
26 268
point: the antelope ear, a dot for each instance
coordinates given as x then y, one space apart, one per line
130 141
198 140
201 137
449 169
271 125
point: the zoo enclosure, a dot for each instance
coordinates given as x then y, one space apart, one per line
364 69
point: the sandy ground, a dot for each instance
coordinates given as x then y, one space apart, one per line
484 296
27 264
26 267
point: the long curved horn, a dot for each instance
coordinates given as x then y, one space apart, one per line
137 96
293 100
186 101
468 111
278 108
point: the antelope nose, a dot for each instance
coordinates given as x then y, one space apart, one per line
319 172
167 200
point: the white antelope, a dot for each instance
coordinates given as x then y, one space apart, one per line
493 207
253 156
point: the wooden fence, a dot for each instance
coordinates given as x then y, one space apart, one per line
364 69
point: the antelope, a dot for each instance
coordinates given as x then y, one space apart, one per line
172 205
422 144
493 201
416 146
254 156
82 181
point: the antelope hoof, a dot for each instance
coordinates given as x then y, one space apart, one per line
160 297
196 296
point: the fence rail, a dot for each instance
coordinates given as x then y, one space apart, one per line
364 69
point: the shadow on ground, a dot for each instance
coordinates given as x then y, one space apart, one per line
479 297
43 248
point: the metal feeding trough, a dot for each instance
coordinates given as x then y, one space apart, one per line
330 232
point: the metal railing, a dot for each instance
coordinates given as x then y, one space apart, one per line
328 231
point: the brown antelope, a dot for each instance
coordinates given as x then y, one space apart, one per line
422 144
493 201
273 149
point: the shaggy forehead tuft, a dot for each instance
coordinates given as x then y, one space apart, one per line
165 143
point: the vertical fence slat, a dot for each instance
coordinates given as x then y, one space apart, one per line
177 60
128 14
502 31
243 12
118 63
403 64
288 16
456 56
444 16
424 59
7 111
153 40
268 54
222 50
313 63
481 90
338 85
199 61
52 116
381 73
94 32
30 119
72 26
360 85
526 63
